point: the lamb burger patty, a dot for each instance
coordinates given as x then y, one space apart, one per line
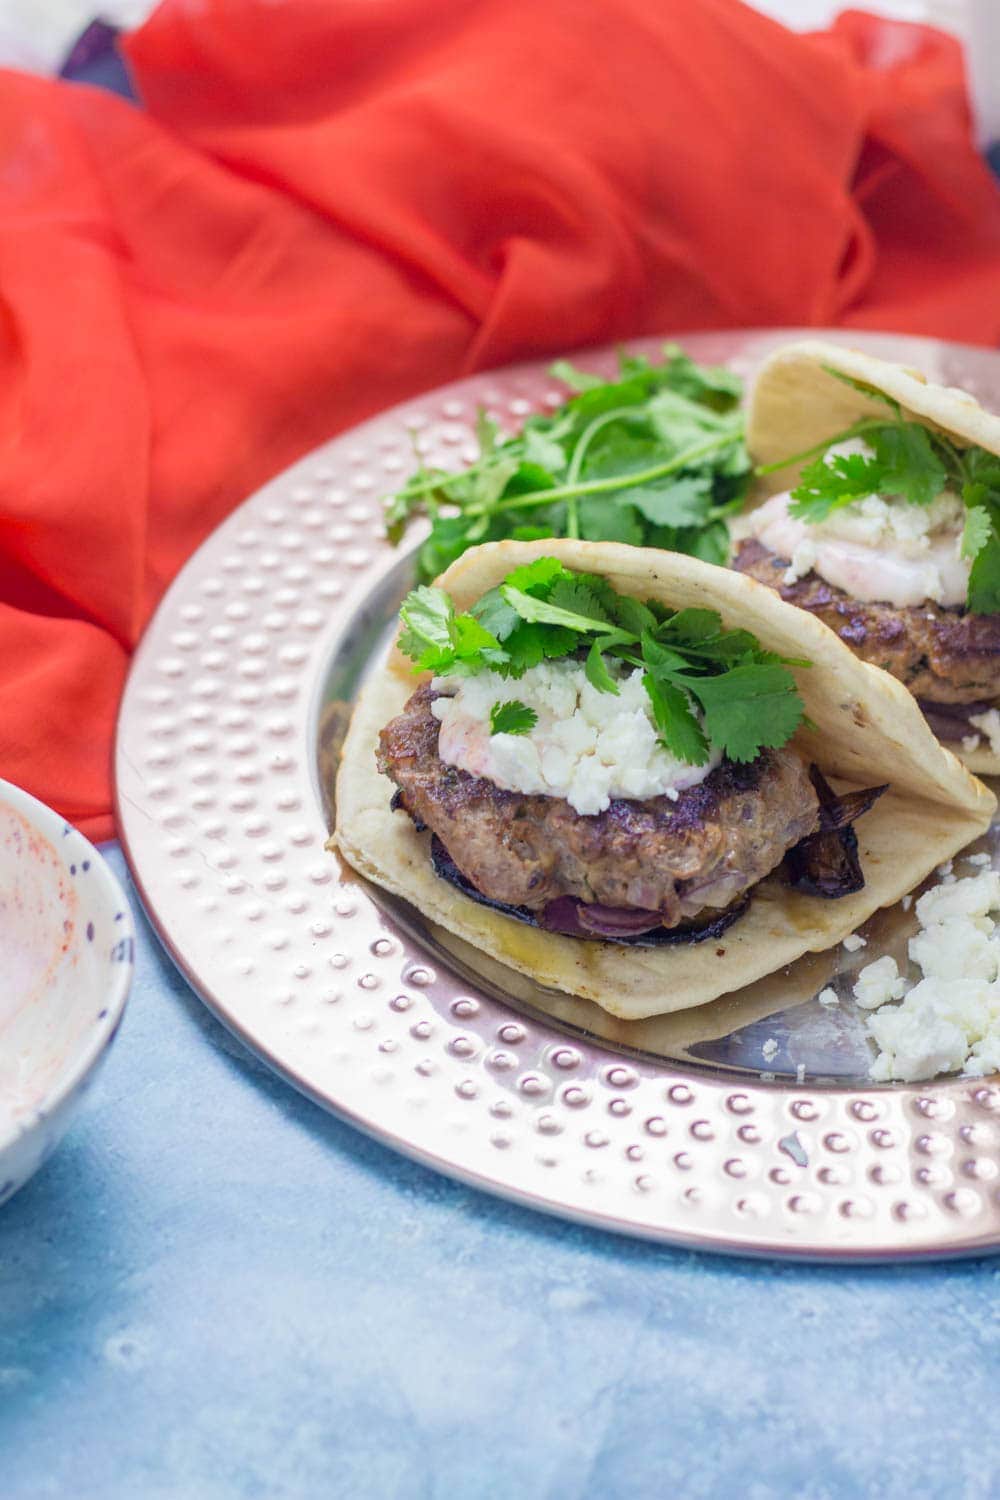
943 655
675 857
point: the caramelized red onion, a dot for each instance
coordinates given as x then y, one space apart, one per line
826 863
581 919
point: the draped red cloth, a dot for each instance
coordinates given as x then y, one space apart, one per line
322 209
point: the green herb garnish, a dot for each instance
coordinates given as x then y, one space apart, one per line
916 463
513 717
655 457
708 687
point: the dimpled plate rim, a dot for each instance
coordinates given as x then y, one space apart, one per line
219 808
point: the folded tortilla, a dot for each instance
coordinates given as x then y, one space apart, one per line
867 730
795 404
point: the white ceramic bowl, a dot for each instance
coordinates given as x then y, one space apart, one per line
66 957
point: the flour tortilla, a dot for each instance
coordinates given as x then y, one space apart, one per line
796 403
868 730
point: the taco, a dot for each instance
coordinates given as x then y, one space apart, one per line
883 520
632 775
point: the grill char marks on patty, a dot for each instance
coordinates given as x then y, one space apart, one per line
678 858
943 655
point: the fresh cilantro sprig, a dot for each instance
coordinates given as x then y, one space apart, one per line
916 463
654 457
512 717
708 687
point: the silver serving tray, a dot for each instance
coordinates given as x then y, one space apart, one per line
227 741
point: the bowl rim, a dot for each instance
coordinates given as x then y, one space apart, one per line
54 828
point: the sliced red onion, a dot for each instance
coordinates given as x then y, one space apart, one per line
951 722
838 811
593 923
585 919
826 863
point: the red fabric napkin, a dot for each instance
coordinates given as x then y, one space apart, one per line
326 208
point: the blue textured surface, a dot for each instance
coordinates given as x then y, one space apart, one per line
215 1290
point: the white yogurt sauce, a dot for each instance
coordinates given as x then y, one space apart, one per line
881 548
587 746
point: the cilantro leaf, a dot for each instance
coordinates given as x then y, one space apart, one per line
449 538
679 729
544 451
984 579
711 544
628 614
910 466
977 530
683 501
530 644
436 638
603 518
577 596
577 380
540 611
495 614
597 672
537 575
748 708
713 385
829 483
482 487
661 659
982 468
426 615
682 423
695 625
469 637
512 717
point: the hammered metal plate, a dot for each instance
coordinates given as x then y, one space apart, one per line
229 727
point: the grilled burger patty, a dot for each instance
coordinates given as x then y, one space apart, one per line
942 655
677 858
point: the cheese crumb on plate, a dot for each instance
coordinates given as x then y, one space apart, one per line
949 1020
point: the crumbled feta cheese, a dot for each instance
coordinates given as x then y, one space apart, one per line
878 983
978 859
828 997
971 742
906 902
586 746
946 868
769 1051
803 560
950 1019
989 723
854 941
975 896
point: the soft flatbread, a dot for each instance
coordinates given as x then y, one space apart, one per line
795 403
868 730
